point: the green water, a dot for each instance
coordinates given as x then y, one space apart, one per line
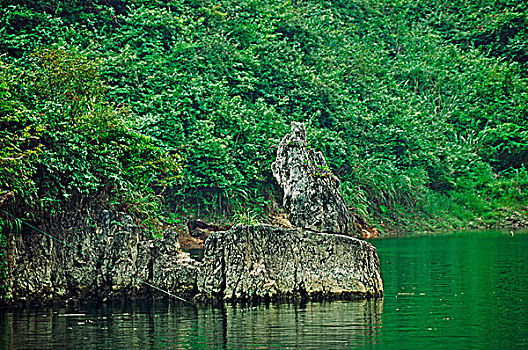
456 291
465 290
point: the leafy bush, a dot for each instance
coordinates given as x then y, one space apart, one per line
511 188
62 142
409 101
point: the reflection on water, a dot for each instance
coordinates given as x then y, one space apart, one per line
465 290
309 326
336 324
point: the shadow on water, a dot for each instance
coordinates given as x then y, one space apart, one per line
169 325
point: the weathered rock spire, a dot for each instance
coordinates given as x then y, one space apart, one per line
311 191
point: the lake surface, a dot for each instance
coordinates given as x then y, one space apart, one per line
454 291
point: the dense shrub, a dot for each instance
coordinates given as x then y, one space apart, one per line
411 102
61 142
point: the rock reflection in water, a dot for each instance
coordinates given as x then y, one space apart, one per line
302 326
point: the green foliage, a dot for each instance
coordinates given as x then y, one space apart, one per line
248 217
416 105
511 188
20 144
506 145
62 142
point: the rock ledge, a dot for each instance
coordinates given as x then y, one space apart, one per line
267 263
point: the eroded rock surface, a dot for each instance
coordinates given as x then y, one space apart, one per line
242 263
311 191
267 262
41 269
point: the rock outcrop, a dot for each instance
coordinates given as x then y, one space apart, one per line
41 269
315 260
311 191
267 262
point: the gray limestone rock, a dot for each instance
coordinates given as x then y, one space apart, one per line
42 269
267 262
243 263
311 191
